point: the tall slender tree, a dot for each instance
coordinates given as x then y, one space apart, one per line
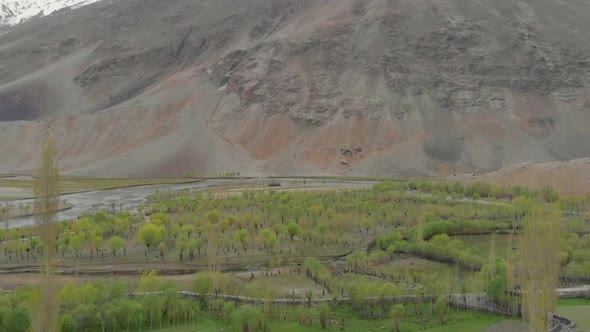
540 265
5 216
47 197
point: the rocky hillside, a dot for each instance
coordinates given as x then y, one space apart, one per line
396 87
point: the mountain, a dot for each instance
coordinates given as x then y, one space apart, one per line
14 12
386 87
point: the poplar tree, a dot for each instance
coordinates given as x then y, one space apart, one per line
540 265
47 197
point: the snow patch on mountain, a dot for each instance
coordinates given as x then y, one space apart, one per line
13 12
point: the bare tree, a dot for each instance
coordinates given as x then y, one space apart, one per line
47 198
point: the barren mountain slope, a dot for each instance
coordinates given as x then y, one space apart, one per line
152 87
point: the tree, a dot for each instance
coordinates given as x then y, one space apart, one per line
283 212
441 308
181 245
324 313
308 296
136 313
47 198
203 284
5 215
246 317
243 237
149 235
297 212
116 243
397 313
17 321
549 194
77 243
67 323
213 216
189 229
268 238
194 244
96 241
153 308
540 264
150 282
162 249
494 277
368 223
293 229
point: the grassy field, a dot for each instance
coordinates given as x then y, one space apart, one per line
460 322
283 286
414 265
577 310
481 244
23 188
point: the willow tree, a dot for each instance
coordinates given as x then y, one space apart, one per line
540 265
47 197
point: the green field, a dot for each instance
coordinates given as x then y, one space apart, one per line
577 310
482 244
462 322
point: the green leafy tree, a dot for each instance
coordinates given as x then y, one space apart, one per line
243 237
297 213
268 238
309 296
494 277
77 242
150 282
189 230
293 230
116 243
441 308
194 244
67 323
203 284
136 313
397 313
97 242
153 309
213 216
324 313
283 212
246 317
149 235
17 320
181 245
